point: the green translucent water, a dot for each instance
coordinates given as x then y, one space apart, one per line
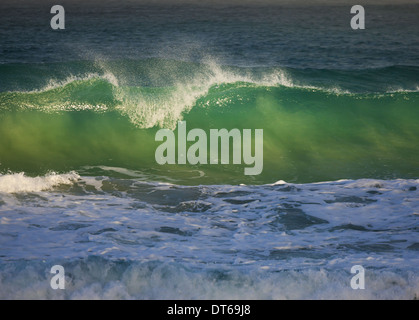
309 134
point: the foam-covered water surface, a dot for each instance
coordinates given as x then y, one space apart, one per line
126 233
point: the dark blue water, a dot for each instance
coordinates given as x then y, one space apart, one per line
263 35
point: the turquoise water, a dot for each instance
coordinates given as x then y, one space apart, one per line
80 186
311 133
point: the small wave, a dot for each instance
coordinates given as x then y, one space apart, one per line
57 84
19 182
401 90
98 278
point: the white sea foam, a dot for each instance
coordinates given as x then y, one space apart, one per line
19 182
401 90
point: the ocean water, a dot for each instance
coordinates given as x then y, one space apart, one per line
80 186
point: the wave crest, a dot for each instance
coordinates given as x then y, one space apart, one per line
19 182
